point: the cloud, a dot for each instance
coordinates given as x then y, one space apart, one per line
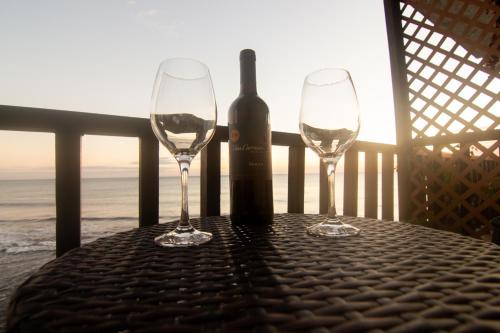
147 13
163 161
106 167
156 20
167 161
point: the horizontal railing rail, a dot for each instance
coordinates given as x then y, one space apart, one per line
70 126
489 135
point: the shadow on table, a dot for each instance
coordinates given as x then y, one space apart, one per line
254 287
229 284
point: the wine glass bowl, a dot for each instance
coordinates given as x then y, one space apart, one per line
329 124
183 134
183 118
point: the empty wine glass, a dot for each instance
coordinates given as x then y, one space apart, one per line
329 125
183 118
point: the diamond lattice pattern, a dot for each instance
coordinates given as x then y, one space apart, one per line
456 186
451 50
452 89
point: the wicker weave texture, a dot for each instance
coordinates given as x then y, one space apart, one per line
394 277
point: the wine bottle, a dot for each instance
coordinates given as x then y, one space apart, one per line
250 171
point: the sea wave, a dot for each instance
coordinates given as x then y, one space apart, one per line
21 220
28 204
83 219
23 248
24 236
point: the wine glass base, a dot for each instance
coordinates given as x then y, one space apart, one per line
183 238
333 227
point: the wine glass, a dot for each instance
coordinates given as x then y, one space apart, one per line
183 118
329 125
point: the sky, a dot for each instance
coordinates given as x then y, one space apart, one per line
102 56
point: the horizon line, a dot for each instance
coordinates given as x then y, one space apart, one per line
137 177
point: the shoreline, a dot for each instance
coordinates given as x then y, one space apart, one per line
16 268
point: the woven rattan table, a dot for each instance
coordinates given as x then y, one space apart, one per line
394 277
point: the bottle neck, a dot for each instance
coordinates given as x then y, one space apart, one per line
248 85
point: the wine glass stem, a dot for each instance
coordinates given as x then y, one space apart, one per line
330 171
184 221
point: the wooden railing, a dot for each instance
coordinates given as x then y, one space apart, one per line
70 126
371 151
210 171
210 187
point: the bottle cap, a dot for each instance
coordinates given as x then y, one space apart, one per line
247 55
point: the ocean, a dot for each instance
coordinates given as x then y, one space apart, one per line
109 205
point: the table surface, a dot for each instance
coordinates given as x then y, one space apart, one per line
394 277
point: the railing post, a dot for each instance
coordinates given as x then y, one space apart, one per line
401 104
351 183
371 193
323 188
388 186
210 179
148 180
296 168
68 188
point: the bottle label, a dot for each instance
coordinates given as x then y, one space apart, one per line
250 152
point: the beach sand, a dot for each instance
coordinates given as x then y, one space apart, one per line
16 268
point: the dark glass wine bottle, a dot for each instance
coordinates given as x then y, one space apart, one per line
250 171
